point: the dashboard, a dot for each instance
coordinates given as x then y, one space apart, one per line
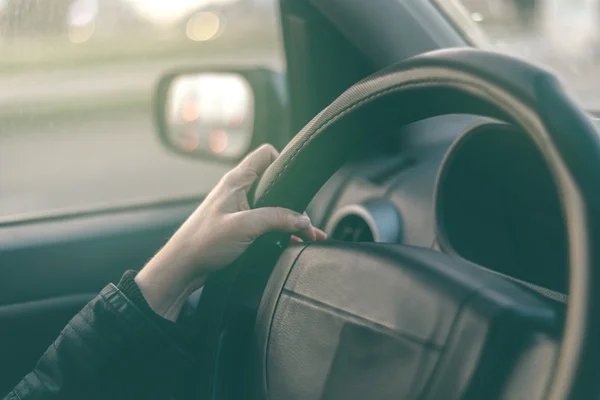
472 187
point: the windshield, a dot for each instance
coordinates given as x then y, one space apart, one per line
562 35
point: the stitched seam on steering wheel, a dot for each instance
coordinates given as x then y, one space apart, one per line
328 123
341 113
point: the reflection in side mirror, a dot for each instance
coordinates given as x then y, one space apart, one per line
221 114
209 113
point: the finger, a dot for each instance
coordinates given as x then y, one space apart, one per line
271 219
313 234
320 234
308 234
295 239
259 160
251 167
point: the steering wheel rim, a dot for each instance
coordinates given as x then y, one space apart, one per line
444 82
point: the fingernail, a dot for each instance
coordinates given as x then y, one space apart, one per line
302 221
295 238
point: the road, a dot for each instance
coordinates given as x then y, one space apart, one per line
94 162
67 162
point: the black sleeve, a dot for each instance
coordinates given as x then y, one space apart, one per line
115 348
182 332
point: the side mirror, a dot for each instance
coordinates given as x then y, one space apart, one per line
220 114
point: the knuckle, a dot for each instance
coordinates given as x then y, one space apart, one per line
284 217
229 177
243 205
234 178
280 215
220 192
248 176
264 152
266 147
240 177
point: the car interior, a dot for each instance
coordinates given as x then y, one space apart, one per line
458 190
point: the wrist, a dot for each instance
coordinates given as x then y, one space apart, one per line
164 291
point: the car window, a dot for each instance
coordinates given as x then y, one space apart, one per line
76 82
562 35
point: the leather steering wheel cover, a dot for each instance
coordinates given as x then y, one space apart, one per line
489 84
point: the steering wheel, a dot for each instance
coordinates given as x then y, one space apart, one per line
356 321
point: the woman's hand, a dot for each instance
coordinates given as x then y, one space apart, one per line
217 233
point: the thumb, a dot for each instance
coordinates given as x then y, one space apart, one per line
269 219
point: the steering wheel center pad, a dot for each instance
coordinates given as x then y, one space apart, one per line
381 321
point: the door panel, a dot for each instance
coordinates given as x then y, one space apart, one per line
51 267
27 329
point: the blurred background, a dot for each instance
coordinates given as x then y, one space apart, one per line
76 82
562 35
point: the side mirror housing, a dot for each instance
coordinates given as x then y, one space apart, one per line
220 113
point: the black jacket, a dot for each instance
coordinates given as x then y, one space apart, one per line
115 348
